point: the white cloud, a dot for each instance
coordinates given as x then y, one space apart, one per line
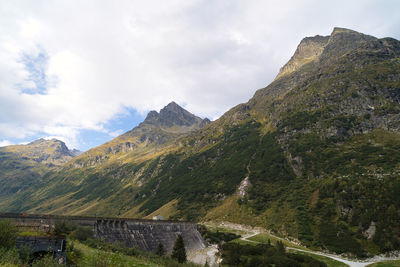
5 143
105 56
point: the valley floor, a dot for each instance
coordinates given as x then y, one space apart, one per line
259 235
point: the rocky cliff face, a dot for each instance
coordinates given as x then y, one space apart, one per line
309 49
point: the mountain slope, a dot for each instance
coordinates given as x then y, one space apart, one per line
315 155
92 182
22 165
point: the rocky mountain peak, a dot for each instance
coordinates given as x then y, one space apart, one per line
170 116
51 151
309 49
340 42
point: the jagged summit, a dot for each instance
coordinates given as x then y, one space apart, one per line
174 116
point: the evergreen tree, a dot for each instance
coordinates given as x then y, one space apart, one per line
179 252
160 249
280 247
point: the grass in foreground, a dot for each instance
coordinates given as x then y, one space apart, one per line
395 263
106 254
94 257
330 262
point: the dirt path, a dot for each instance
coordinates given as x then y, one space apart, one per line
250 232
350 263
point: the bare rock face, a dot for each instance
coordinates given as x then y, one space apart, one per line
244 184
309 49
170 122
340 42
370 232
173 116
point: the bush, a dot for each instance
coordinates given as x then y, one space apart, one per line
63 227
81 233
73 254
9 256
8 234
219 237
160 250
47 261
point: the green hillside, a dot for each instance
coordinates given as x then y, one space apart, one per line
319 146
21 166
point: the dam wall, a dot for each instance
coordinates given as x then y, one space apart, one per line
147 235
142 234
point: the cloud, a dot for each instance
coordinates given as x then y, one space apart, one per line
69 66
5 143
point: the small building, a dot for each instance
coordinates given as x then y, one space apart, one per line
158 218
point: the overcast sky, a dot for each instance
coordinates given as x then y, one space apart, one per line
86 71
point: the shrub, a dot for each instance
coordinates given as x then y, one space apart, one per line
81 233
47 261
9 256
63 227
8 234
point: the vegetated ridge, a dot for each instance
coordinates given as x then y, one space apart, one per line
315 155
22 165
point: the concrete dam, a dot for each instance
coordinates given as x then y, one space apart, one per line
142 234
147 235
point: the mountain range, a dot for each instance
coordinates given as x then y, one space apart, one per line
314 156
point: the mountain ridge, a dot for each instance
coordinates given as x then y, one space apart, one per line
23 165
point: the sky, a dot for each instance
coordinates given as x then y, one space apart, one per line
87 71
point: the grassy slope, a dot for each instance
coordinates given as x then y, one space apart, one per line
94 257
395 263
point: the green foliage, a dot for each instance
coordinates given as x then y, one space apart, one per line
82 233
339 239
63 227
9 256
160 250
46 261
8 234
269 170
179 251
201 180
280 247
74 254
235 254
115 247
217 237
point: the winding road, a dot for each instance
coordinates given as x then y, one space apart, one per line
250 232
